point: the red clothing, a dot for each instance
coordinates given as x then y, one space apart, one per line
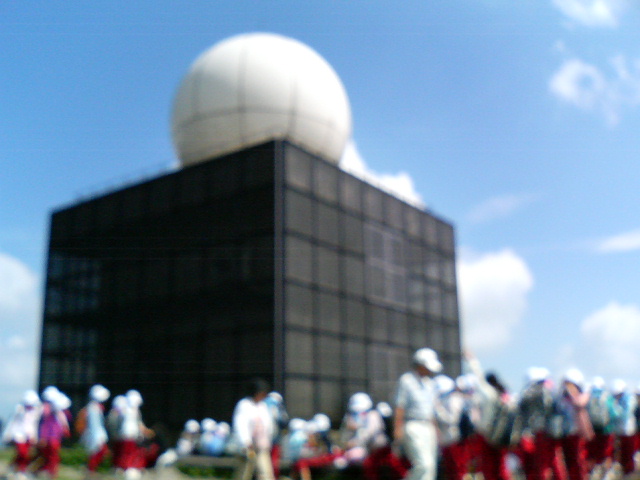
493 465
23 457
575 456
95 459
382 463
600 448
455 460
50 453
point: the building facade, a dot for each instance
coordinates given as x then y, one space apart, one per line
267 262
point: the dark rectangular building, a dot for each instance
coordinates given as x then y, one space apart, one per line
267 262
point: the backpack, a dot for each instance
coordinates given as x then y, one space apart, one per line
598 413
80 424
505 427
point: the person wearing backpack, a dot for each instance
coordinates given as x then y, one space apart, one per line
22 430
573 400
624 426
94 437
600 449
494 426
537 448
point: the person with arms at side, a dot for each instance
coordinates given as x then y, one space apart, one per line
414 415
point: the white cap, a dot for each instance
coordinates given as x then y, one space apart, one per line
321 422
428 358
99 393
223 428
598 383
536 375
50 393
360 402
618 386
297 424
30 398
466 383
119 402
134 398
61 402
444 384
192 426
275 396
384 409
208 424
575 376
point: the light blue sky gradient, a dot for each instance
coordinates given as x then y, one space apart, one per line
516 121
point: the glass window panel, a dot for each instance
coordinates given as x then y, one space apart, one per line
397 288
355 360
156 276
373 203
432 265
328 268
378 326
430 230
376 281
393 215
225 177
327 221
434 301
326 181
298 213
412 221
329 356
133 202
355 320
413 258
188 272
258 168
353 269
448 272
415 294
435 336
417 332
446 237
300 395
299 352
452 340
328 306
161 194
352 233
297 168
330 398
256 353
299 306
351 193
450 306
398 328
298 259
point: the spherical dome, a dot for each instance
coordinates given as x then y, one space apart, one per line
257 87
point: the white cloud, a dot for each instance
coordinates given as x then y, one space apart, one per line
610 339
591 13
587 87
19 312
493 292
398 184
624 242
499 207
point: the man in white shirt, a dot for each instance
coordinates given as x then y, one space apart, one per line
253 428
414 419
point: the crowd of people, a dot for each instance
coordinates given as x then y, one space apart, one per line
438 426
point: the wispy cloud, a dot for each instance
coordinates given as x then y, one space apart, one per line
499 207
591 13
399 184
623 242
589 88
493 297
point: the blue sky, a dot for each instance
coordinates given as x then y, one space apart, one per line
516 121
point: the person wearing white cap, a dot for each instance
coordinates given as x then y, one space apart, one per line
577 428
278 412
600 449
114 428
253 430
362 428
132 431
414 415
189 438
624 426
535 407
94 437
54 426
22 429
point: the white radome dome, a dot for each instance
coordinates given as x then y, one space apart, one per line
257 87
